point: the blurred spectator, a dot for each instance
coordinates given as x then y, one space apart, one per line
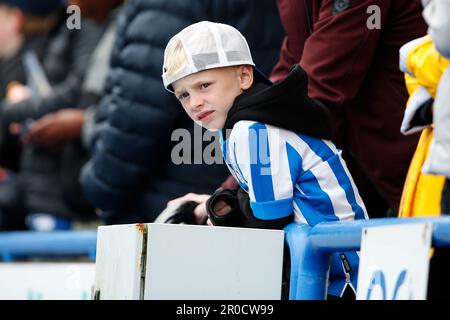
24 26
63 129
131 175
353 69
64 62
47 180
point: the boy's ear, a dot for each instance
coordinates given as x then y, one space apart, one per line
245 76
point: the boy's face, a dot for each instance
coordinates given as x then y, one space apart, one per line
208 95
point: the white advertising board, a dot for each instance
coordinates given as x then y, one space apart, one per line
169 261
46 281
202 262
394 262
119 262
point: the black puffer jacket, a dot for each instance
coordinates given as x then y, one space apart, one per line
131 175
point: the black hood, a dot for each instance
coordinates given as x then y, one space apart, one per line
285 105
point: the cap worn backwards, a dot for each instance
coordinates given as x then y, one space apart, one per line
208 45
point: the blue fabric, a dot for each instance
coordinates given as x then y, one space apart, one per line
326 154
270 210
260 163
131 170
322 202
280 168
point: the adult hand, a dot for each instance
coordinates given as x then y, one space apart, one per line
17 92
56 129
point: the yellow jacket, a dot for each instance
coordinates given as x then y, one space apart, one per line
423 67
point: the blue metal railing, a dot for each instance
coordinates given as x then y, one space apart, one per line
53 243
311 249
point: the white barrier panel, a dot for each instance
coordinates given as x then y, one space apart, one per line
200 262
46 281
394 262
188 262
119 262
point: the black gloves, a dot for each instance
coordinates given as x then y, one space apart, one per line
241 214
233 217
184 213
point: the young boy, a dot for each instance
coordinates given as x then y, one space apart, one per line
270 137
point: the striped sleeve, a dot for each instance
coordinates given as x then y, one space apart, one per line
260 158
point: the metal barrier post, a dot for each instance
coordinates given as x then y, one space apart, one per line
311 249
309 266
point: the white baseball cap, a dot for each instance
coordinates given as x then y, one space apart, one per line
210 45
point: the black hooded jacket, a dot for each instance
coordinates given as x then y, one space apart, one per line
285 105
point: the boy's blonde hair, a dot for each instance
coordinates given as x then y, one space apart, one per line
176 58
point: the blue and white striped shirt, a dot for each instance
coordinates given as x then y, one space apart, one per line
286 172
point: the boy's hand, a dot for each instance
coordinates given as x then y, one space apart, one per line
199 211
200 198
221 208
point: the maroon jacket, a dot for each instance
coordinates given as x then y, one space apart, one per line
354 71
